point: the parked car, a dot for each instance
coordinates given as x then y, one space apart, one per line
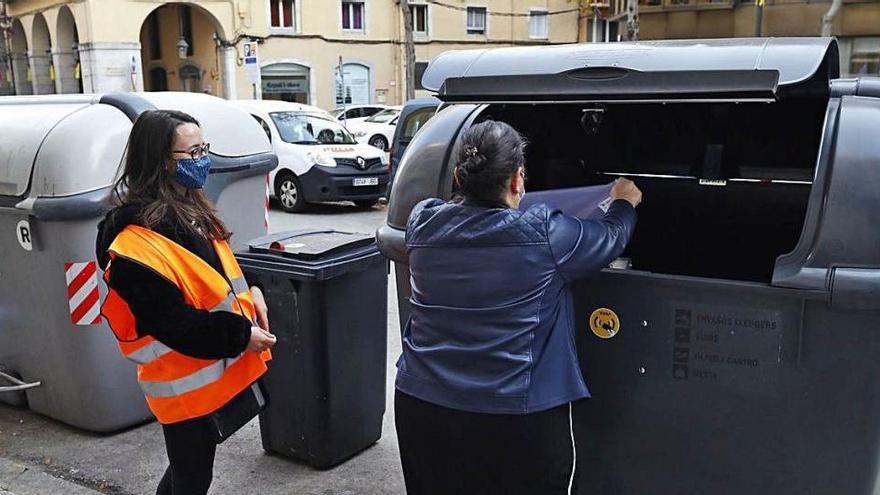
356 113
377 130
318 159
413 116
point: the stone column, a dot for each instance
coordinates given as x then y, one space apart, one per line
108 67
228 72
20 66
65 68
40 76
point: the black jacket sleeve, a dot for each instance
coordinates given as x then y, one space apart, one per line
160 311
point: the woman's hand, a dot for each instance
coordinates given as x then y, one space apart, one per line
261 340
626 189
260 308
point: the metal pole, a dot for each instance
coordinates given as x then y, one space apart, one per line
409 49
828 18
759 18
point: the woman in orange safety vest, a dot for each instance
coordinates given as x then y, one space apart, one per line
177 301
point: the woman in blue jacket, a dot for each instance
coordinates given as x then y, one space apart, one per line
489 368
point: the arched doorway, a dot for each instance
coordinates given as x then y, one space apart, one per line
180 50
42 69
68 73
20 63
286 81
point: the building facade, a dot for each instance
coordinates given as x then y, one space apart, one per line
856 25
296 48
300 45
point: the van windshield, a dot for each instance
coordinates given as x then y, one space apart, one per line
384 116
310 129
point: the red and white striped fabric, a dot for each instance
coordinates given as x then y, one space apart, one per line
82 293
266 223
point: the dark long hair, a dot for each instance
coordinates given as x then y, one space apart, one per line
146 180
487 154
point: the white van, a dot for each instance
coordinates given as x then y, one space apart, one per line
318 159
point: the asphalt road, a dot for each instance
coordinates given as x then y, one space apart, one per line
40 456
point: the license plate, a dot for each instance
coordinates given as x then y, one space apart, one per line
366 181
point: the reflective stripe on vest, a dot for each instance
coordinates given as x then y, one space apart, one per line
208 374
179 387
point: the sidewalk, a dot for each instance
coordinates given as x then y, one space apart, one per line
40 456
18 479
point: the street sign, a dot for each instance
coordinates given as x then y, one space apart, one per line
251 62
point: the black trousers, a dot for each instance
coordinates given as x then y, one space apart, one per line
446 451
191 446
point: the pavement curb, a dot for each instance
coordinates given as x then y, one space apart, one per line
20 479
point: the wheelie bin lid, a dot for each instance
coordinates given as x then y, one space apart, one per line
313 254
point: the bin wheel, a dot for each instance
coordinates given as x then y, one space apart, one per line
380 142
366 203
288 190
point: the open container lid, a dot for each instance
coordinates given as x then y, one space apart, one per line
739 69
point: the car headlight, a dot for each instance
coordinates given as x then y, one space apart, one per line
360 134
322 159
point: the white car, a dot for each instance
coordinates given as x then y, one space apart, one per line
356 113
318 159
378 130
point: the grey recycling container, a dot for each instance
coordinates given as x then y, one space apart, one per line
328 306
59 156
743 348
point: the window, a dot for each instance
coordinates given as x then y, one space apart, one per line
352 16
153 34
158 79
187 26
476 20
265 127
420 19
539 24
415 121
353 88
420 71
283 13
385 116
865 57
310 129
370 111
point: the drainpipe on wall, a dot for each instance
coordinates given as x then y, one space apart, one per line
828 18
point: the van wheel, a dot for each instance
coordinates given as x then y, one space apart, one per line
379 142
288 190
366 203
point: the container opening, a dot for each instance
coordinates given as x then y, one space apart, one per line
725 185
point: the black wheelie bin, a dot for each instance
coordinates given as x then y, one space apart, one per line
744 356
327 297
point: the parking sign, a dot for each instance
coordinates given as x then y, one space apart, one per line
251 62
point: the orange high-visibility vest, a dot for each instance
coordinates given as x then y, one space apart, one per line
179 387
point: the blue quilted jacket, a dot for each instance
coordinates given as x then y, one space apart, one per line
491 328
